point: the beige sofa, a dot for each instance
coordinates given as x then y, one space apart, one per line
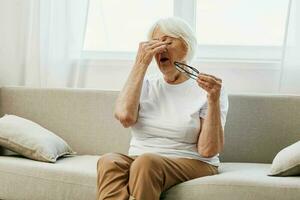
257 127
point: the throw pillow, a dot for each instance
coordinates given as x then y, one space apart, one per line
31 140
287 161
6 152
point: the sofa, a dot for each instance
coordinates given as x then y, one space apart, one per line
258 126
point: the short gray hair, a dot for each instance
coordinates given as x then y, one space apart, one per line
177 28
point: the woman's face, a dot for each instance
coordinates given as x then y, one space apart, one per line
176 50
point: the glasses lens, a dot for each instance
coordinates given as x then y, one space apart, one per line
186 70
192 72
181 68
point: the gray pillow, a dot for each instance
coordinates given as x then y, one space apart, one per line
31 140
287 161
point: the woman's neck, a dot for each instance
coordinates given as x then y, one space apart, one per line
175 78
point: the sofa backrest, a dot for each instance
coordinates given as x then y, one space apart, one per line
257 126
83 118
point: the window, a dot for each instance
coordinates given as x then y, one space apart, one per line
231 29
241 22
118 25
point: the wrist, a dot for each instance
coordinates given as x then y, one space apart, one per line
138 71
139 65
213 102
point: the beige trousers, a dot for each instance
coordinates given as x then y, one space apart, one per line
145 177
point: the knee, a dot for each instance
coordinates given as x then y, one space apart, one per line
146 163
107 161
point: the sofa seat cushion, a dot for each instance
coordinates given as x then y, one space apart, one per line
236 181
75 178
69 178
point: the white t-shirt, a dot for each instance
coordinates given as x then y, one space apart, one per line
169 119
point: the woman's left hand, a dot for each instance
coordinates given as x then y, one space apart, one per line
212 85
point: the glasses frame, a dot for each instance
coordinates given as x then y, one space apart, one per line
186 72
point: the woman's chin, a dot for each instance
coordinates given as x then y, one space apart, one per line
165 65
165 68
168 71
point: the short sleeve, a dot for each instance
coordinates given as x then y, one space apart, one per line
223 107
145 89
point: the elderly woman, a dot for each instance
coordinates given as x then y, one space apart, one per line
176 122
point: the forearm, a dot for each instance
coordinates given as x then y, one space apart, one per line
211 139
127 104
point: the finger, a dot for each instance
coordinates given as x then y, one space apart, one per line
150 42
204 83
145 44
154 45
207 78
151 47
216 85
158 49
210 80
214 77
204 87
207 75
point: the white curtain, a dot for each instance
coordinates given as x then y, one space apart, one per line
41 42
54 37
290 71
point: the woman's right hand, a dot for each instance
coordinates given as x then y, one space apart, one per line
147 50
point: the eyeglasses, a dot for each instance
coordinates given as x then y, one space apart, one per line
187 70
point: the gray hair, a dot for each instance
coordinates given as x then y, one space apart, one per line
177 28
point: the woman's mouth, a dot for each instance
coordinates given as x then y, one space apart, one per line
163 59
